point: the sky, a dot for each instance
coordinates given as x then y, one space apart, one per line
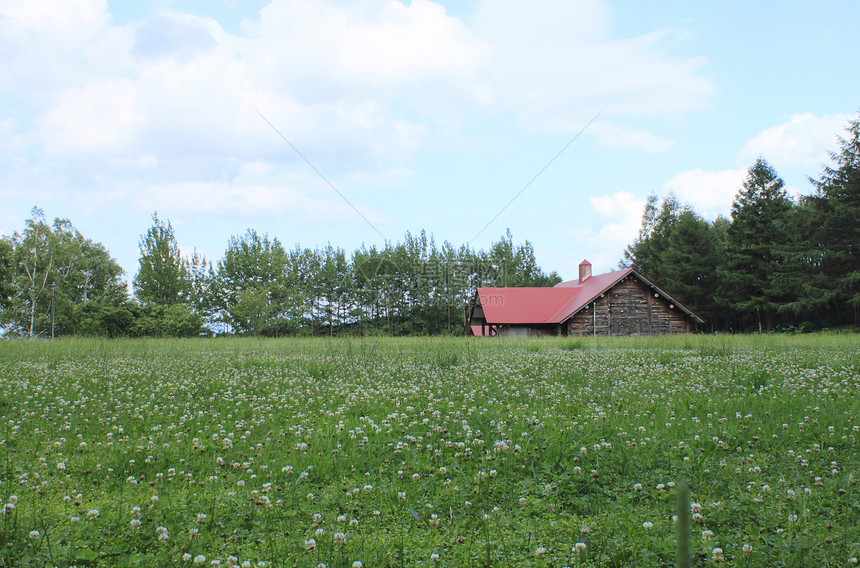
352 122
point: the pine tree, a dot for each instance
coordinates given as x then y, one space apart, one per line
836 220
750 282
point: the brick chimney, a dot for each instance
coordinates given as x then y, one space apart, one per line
584 271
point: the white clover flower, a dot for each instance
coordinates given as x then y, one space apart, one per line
540 551
357 564
341 518
339 538
579 547
310 544
93 513
647 525
135 524
199 559
34 535
186 557
434 557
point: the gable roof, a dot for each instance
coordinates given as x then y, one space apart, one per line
559 303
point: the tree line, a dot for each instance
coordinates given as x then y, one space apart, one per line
258 287
776 263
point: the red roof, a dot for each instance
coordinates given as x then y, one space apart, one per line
553 305
544 305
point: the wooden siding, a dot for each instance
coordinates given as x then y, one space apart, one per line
629 308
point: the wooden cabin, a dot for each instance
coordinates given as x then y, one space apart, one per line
620 303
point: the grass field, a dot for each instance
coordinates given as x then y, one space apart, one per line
429 452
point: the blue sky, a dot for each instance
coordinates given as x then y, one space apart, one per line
424 115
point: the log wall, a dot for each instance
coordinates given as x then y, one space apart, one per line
629 308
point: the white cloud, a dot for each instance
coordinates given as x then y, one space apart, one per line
615 225
98 117
802 142
709 193
555 65
613 135
297 201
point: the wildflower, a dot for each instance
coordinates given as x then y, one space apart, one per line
93 513
717 555
310 544
401 495
637 487
215 563
353 522
368 488
34 535
746 550
310 496
647 525
540 550
579 547
341 519
707 535
199 559
74 519
201 518
434 557
357 564
192 534
135 524
339 538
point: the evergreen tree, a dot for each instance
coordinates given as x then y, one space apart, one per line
751 285
681 251
689 264
835 250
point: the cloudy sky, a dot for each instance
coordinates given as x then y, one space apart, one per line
352 122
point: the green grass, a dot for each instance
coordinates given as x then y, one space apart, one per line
430 452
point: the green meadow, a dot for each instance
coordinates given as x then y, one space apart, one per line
429 452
